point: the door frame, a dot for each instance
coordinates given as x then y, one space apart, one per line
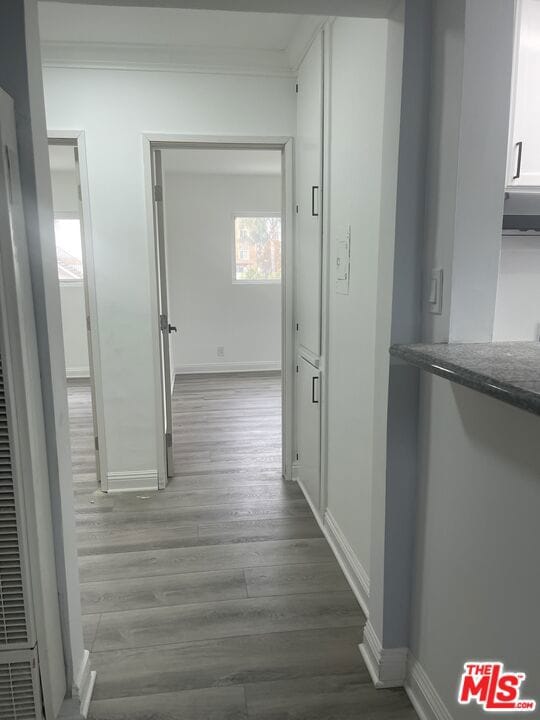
285 145
76 139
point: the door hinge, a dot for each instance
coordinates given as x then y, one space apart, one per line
297 327
297 368
96 444
168 439
296 87
79 191
158 193
297 456
88 326
10 177
163 322
297 209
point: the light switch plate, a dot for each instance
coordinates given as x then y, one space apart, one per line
435 291
343 264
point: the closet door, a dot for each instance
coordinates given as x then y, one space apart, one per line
524 152
309 430
308 260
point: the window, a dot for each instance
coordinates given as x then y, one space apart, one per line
257 248
67 232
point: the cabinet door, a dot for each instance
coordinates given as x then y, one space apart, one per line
309 198
524 154
309 430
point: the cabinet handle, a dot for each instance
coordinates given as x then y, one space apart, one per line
314 398
314 191
519 146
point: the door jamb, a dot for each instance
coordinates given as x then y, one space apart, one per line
76 138
286 145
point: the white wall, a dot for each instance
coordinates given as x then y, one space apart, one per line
442 166
477 586
357 83
475 594
206 306
74 328
115 108
65 200
517 312
467 163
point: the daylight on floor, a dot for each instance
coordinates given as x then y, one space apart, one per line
269 359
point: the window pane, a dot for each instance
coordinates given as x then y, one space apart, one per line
67 233
257 242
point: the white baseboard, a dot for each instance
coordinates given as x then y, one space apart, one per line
350 564
78 372
132 481
387 667
312 507
425 699
353 569
77 705
228 367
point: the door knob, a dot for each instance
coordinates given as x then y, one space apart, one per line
172 328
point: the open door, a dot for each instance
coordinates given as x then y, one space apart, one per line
163 307
87 312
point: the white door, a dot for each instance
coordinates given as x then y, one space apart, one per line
163 308
308 259
87 312
309 430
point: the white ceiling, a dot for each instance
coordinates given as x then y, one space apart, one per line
345 8
100 35
222 162
165 26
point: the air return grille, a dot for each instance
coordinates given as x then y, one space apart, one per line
19 698
13 624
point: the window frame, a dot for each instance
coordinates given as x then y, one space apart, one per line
250 214
69 215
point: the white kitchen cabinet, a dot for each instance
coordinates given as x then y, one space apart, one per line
308 260
523 167
308 392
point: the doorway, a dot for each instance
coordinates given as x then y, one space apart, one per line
75 277
220 214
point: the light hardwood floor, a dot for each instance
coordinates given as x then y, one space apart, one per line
218 598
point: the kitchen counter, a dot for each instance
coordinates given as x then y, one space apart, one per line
508 371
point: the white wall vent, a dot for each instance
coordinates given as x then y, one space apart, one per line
19 686
13 624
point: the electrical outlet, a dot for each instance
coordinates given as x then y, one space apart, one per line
220 351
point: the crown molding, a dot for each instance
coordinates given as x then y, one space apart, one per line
166 58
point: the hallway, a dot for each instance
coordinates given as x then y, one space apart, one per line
218 597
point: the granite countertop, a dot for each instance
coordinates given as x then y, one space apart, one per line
508 371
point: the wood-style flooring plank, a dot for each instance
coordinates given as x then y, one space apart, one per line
326 697
229 661
219 703
295 579
200 559
138 593
227 618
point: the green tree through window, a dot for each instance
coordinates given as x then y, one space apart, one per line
257 242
